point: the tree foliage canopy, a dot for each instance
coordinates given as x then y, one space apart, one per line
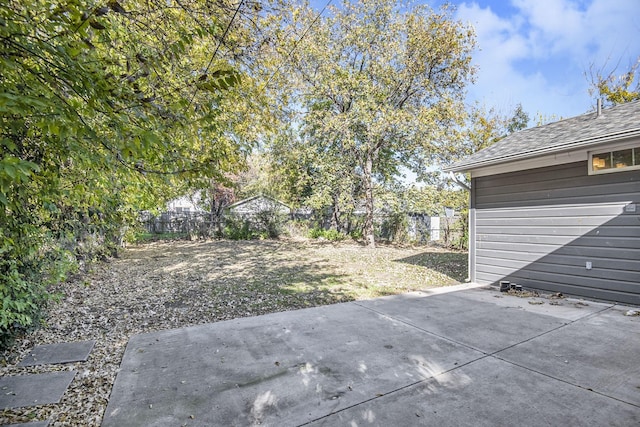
376 84
103 107
616 88
483 127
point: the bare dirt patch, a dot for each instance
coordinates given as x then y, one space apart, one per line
174 284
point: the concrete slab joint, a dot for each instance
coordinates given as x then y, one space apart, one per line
399 360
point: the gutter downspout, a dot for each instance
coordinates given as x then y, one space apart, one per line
472 231
471 262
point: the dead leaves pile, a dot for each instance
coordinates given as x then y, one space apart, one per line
161 286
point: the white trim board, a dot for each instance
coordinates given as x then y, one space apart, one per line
538 162
578 155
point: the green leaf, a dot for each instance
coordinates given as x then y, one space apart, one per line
8 144
9 170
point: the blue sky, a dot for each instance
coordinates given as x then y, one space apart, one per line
536 52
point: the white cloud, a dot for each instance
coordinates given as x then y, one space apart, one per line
539 53
614 27
555 25
562 27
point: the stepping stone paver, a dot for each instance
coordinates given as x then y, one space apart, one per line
31 424
34 389
49 354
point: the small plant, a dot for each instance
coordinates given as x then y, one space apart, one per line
269 223
297 228
238 229
23 294
330 235
316 233
357 234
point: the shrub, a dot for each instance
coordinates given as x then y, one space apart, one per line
237 229
263 225
357 234
298 228
26 271
22 301
330 235
269 223
316 233
394 227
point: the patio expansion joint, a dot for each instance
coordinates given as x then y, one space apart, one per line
483 355
564 325
426 331
564 381
590 315
399 389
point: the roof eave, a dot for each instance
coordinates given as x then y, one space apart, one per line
547 150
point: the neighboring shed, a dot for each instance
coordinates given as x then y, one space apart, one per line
257 204
557 207
186 203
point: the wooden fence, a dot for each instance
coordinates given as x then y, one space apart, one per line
419 228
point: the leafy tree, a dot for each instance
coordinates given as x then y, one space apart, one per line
616 88
431 199
104 108
215 199
483 128
377 84
543 119
257 178
313 172
519 120
293 167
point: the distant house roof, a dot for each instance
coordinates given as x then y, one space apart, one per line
188 203
615 123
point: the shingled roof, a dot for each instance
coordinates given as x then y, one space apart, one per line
615 123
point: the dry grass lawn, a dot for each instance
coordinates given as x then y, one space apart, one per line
174 284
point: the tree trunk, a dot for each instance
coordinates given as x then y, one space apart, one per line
335 214
368 231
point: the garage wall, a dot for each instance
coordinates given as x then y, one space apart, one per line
540 227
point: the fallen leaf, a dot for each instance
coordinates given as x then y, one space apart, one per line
167 285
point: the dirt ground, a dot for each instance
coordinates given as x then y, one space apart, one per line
167 285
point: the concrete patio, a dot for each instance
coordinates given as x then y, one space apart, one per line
452 357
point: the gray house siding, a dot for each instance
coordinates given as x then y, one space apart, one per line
540 227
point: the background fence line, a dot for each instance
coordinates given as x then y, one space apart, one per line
414 227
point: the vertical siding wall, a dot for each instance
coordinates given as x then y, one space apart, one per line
540 227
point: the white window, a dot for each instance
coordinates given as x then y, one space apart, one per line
617 160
